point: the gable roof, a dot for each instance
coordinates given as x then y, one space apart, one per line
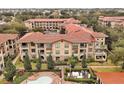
5 37
75 34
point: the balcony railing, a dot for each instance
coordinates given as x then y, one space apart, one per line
100 53
24 46
101 47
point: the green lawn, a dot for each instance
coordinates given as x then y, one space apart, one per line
19 64
108 63
107 69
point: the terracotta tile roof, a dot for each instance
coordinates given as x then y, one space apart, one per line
32 36
111 77
75 33
72 28
5 37
45 38
110 18
43 20
69 20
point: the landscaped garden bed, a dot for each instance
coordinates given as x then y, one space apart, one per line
80 75
60 63
19 78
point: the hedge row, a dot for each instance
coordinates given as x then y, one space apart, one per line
81 80
76 69
54 70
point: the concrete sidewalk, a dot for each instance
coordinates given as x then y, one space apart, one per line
104 66
14 61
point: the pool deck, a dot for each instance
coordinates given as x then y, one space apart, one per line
56 78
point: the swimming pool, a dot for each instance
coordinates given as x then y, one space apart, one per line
41 80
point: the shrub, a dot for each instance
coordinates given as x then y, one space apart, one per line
27 63
18 79
10 71
50 62
81 80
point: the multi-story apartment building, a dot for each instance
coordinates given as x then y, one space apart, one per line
49 24
8 46
111 21
78 41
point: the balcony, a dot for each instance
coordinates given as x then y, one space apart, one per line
24 46
82 51
101 47
100 53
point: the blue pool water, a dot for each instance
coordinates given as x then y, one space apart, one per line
41 80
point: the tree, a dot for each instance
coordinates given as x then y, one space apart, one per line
50 62
72 61
10 71
118 56
84 62
27 63
39 63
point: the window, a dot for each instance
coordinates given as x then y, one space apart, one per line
24 44
66 51
48 45
98 57
10 46
102 43
6 43
33 56
82 51
33 50
14 46
9 41
90 44
57 51
23 57
57 58
48 52
75 51
25 50
42 51
42 57
40 45
32 44
90 50
57 45
97 44
83 45
74 45
66 45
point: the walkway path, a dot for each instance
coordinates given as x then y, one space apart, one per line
104 66
14 61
